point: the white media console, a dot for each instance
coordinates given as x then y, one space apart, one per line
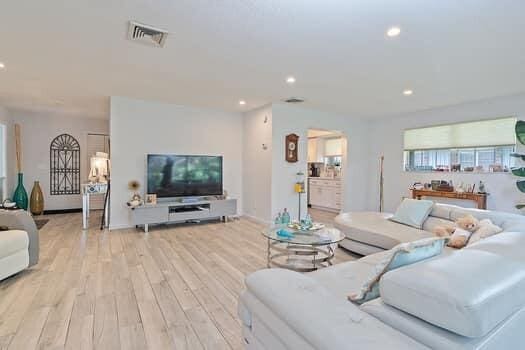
183 210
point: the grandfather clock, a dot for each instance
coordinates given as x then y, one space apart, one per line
290 148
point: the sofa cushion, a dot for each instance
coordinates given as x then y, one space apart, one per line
511 245
12 241
431 222
325 321
374 229
505 335
468 292
401 255
442 211
507 221
344 278
412 212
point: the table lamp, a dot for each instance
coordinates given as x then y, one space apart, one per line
99 167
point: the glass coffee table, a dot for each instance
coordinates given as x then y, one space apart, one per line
304 251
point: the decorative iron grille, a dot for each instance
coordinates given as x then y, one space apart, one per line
64 155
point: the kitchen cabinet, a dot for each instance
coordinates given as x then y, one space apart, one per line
312 150
325 193
316 150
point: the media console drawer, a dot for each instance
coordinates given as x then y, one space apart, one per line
150 215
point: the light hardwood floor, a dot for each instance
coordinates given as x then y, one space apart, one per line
176 287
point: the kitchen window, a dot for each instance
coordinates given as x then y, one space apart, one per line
483 146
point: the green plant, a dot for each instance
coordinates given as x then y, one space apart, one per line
520 171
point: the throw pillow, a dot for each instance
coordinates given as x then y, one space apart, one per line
486 229
401 255
412 212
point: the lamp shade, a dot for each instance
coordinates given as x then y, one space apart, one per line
99 166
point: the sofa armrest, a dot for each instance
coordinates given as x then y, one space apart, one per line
324 320
22 220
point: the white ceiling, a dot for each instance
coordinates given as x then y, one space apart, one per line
72 55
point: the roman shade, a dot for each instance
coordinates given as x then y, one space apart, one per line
333 147
485 133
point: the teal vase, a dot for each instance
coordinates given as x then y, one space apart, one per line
20 195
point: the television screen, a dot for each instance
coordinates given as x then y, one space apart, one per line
177 176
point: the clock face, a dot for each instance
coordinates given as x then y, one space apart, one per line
291 146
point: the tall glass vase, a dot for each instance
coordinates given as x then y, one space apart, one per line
20 195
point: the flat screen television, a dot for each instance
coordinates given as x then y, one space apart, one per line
184 176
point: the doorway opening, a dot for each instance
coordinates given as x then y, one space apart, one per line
327 154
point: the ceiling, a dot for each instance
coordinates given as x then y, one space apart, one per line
72 55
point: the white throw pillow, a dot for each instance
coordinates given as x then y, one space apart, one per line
412 212
486 229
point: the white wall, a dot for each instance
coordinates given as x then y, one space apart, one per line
287 119
387 138
257 163
38 130
141 127
10 172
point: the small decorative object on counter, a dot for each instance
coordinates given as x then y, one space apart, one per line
151 199
36 203
418 186
306 223
9 205
278 219
134 186
285 218
481 187
299 188
136 200
299 183
285 234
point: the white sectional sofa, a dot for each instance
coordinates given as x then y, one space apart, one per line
19 245
473 298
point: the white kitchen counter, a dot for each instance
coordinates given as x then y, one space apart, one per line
324 193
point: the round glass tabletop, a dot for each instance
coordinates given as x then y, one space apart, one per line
283 233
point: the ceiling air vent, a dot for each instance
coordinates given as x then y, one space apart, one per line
294 100
146 34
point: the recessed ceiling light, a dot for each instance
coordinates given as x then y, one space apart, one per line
290 80
393 31
2 66
242 102
407 92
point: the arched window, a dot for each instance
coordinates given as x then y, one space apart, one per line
64 157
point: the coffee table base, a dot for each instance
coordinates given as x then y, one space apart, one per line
300 258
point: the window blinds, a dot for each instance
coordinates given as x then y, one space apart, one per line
496 132
333 147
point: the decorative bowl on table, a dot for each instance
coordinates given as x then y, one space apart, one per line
306 227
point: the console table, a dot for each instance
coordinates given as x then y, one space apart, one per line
183 211
479 198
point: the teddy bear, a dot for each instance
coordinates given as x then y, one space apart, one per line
459 235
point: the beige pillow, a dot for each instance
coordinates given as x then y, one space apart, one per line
486 229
